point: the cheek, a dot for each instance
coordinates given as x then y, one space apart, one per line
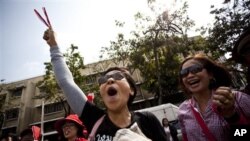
74 130
184 81
101 90
206 79
125 87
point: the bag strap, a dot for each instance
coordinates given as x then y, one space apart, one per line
202 124
94 129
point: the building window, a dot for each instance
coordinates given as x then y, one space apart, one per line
17 92
48 127
8 131
12 114
51 108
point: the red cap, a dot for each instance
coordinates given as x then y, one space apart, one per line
71 118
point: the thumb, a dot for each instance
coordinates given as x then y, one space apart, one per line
50 27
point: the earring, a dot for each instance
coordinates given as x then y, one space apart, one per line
212 83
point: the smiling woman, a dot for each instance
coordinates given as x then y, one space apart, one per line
117 89
213 105
71 128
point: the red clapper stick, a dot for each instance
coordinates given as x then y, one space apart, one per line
47 23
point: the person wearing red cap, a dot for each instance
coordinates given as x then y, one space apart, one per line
91 97
70 128
31 134
241 54
117 90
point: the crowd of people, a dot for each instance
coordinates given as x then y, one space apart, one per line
212 108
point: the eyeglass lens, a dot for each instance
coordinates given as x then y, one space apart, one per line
192 69
115 76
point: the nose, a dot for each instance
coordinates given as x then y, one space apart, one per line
110 80
189 74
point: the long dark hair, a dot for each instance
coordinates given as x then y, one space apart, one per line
221 76
162 122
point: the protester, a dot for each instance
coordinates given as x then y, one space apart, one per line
241 54
90 97
170 130
213 105
32 133
70 128
117 89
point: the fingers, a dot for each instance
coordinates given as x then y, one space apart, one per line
224 98
224 93
46 35
49 37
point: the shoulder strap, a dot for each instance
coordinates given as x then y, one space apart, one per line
94 129
202 124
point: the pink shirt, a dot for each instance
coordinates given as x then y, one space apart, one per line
216 124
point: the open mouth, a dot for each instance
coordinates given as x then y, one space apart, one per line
66 132
112 91
193 82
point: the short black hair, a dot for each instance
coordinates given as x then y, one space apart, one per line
128 77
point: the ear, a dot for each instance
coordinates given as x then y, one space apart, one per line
210 75
131 92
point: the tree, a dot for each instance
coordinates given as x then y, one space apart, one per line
230 21
49 87
157 47
163 45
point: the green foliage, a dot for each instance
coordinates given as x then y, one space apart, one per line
230 21
75 63
118 50
158 51
157 47
49 87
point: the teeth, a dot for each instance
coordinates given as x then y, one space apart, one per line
193 81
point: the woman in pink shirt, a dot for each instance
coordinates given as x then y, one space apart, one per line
213 106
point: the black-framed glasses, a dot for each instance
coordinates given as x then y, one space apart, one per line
192 69
68 125
115 76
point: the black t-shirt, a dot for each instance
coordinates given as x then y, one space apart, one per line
148 123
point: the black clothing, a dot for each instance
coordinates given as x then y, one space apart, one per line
148 123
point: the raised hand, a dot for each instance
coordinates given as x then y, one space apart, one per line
224 100
49 37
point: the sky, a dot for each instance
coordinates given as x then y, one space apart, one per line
88 24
